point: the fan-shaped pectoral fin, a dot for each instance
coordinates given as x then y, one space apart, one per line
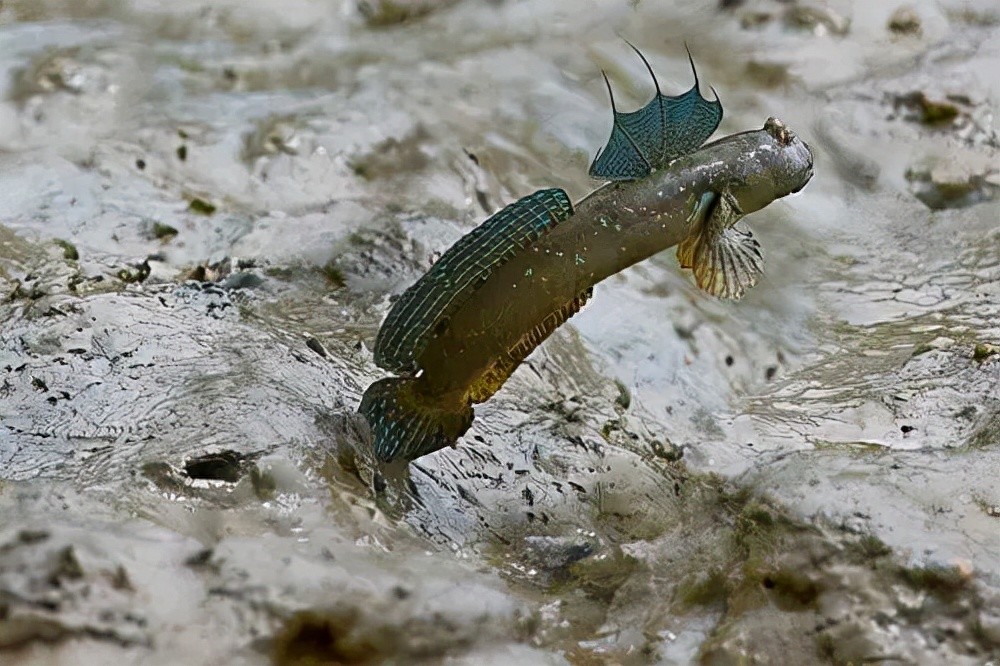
697 221
726 259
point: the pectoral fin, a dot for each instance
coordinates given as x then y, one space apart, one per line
725 258
729 264
696 223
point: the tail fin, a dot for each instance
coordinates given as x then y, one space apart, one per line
408 425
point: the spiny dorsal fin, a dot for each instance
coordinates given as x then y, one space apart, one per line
667 127
450 282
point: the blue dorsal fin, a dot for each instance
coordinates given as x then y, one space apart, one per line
427 305
667 127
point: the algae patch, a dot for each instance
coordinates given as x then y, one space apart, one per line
69 250
201 206
163 232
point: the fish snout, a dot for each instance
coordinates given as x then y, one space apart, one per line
809 165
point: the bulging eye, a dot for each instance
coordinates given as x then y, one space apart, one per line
779 131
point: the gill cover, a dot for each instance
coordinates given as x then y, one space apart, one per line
667 127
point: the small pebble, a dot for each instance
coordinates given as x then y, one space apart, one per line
904 21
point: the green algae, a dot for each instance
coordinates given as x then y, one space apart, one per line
944 582
601 577
333 274
163 232
704 589
201 206
871 548
69 250
983 351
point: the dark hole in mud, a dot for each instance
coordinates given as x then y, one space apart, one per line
312 637
790 590
315 345
32 536
66 568
201 559
222 466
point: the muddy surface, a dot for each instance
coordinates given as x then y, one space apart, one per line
205 208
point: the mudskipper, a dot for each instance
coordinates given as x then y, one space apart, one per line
458 333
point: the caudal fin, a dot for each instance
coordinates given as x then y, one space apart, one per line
405 424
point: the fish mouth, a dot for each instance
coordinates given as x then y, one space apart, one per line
809 167
801 164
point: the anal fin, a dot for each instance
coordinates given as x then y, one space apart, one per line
504 365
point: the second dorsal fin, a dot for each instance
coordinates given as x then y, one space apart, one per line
428 304
667 127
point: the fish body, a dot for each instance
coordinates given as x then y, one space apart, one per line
459 332
616 226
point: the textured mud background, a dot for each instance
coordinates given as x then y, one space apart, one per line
204 210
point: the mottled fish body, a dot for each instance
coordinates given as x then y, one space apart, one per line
462 329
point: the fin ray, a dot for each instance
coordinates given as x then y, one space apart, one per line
696 223
729 263
724 256
665 128
407 425
417 313
505 365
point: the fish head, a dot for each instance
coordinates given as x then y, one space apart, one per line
774 164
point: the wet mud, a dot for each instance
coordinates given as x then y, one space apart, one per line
205 209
